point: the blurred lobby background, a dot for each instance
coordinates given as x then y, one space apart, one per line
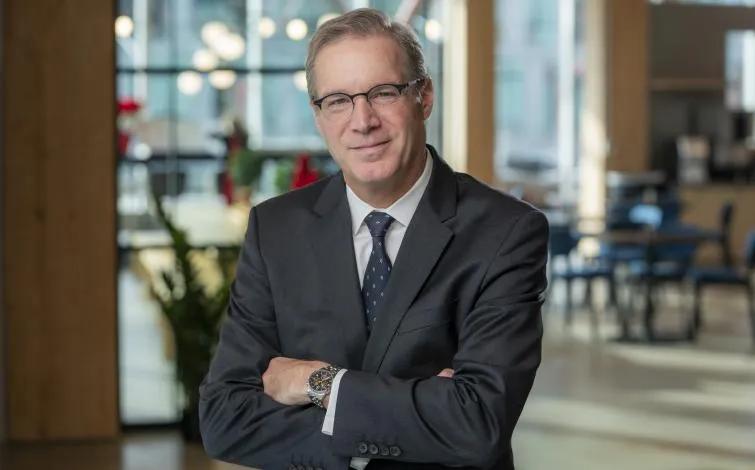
629 122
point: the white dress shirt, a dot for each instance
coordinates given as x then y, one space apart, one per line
402 212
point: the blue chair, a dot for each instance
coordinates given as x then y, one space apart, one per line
665 264
725 275
563 242
634 217
721 235
646 215
671 261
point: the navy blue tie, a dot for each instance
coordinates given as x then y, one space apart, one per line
378 268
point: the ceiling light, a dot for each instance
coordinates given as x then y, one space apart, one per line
229 46
296 29
124 26
189 82
300 80
212 31
222 79
433 30
266 27
204 60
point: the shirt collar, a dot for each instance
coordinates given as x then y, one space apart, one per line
402 210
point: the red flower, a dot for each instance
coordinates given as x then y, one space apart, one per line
303 174
128 105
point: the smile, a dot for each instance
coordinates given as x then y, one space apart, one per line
371 147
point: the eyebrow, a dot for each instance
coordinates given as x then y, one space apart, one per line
331 93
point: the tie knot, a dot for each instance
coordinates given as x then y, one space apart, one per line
378 223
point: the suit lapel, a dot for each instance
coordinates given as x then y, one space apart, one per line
424 242
334 249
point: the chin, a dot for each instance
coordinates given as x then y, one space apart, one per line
375 172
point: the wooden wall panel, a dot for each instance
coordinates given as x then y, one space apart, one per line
627 23
614 133
3 386
59 219
704 206
481 89
469 87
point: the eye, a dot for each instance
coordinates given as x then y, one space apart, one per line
384 95
337 103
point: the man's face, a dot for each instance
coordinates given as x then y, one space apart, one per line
378 146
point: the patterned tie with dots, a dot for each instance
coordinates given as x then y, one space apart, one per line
378 268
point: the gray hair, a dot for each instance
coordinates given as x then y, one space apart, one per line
367 22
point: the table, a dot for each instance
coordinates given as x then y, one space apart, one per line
649 240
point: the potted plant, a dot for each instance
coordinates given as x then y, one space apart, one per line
193 311
245 170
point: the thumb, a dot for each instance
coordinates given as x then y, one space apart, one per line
446 373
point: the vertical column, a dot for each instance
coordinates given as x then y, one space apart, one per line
594 133
566 98
469 92
748 70
628 31
3 384
614 117
58 219
254 59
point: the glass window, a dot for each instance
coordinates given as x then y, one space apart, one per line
510 110
543 22
530 66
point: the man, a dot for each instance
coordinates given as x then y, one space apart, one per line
388 315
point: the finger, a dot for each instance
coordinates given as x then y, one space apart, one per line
446 373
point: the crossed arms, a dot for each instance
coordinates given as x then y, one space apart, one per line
254 416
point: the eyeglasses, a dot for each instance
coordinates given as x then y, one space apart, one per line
338 107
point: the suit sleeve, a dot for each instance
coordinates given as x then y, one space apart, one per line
467 420
238 421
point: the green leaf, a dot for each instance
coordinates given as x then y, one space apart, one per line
193 312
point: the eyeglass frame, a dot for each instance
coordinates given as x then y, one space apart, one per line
401 87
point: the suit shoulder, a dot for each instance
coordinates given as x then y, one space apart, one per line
496 203
294 200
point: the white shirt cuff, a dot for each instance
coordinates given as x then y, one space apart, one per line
330 415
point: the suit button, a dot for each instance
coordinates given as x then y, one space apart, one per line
374 449
384 451
362 448
395 451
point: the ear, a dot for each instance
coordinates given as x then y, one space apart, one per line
426 97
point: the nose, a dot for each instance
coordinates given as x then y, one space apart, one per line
364 118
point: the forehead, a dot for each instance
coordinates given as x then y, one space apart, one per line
354 64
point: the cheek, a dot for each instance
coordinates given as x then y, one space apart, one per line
333 135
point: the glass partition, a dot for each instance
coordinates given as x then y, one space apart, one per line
538 85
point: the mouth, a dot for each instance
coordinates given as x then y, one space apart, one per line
368 147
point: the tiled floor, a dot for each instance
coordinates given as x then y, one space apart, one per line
596 404
599 404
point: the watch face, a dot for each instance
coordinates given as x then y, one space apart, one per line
321 380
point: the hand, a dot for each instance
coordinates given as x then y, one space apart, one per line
285 380
446 373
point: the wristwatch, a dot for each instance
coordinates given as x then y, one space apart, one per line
320 383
